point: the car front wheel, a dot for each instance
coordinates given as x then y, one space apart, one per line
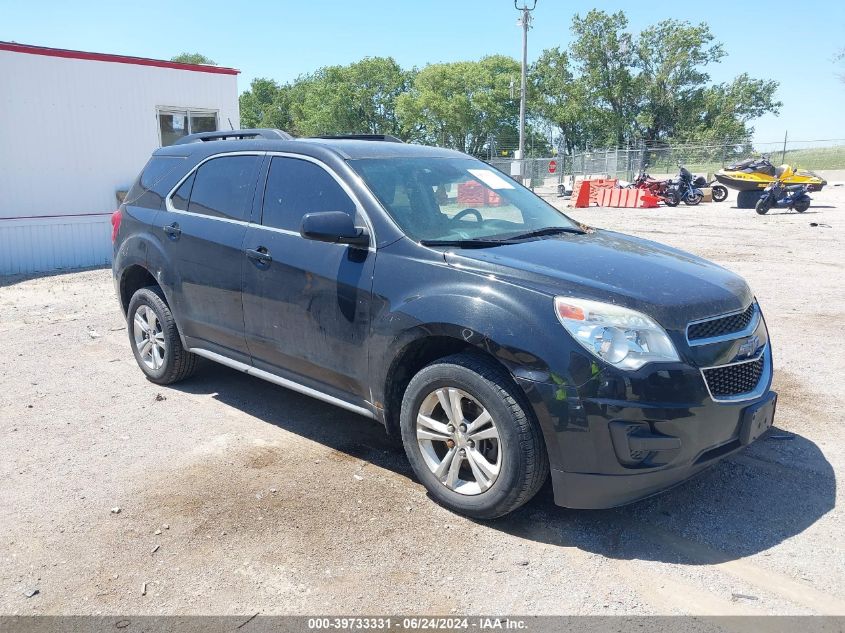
471 439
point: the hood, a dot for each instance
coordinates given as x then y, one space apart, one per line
669 285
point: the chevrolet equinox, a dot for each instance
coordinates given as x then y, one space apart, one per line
502 341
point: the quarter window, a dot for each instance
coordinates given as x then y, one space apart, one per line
223 187
180 197
296 187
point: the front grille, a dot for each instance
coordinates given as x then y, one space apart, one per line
720 326
734 380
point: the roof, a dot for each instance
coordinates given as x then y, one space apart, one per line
345 148
14 47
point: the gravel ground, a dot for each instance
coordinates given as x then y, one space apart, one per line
236 496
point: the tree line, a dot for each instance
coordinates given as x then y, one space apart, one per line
608 88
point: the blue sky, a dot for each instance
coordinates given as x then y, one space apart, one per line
789 41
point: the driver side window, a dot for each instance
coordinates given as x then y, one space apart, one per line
296 187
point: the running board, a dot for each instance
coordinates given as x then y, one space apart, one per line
282 382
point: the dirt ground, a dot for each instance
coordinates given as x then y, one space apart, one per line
237 496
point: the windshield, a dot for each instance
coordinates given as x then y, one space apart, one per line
447 199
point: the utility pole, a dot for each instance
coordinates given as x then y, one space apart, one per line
525 22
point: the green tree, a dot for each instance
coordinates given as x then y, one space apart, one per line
615 88
556 97
193 58
462 105
728 108
358 98
670 86
603 54
266 104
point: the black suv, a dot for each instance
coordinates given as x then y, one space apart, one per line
501 340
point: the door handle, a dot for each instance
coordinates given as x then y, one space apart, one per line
173 231
260 255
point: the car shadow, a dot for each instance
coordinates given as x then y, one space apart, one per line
746 504
775 489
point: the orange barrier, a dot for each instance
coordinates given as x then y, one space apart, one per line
471 192
586 192
580 194
628 198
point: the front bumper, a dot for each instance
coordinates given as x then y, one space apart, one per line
618 442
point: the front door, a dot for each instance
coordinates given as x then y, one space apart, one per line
202 231
307 303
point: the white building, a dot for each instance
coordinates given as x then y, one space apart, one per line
76 128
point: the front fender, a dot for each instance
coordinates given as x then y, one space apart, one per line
500 327
514 325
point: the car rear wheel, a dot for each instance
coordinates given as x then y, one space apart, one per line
155 338
471 439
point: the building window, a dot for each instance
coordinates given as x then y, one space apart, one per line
174 124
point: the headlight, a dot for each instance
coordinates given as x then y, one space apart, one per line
621 337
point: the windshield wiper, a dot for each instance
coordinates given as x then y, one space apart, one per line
549 230
467 243
483 242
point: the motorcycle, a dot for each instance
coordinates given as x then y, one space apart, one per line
654 186
683 190
779 195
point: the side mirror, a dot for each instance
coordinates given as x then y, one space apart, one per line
333 226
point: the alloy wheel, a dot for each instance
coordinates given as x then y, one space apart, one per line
149 338
459 441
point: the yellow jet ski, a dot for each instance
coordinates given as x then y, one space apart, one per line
755 174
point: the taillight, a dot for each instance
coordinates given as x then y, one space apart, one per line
116 217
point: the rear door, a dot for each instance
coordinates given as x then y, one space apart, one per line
202 230
307 304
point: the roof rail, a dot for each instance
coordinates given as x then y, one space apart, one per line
364 137
260 133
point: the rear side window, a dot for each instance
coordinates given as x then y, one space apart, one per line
155 172
223 187
296 187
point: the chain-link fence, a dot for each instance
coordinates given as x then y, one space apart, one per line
548 174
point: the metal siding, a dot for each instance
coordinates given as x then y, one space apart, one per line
73 132
30 246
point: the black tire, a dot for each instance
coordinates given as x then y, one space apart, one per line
177 363
693 199
720 193
801 206
524 461
763 205
748 199
672 199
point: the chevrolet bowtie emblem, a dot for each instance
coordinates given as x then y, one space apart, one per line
748 347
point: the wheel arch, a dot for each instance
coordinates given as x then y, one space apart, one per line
133 278
424 345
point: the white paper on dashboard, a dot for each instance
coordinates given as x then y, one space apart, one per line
491 179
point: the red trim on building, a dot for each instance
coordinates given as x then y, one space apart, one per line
116 59
65 215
